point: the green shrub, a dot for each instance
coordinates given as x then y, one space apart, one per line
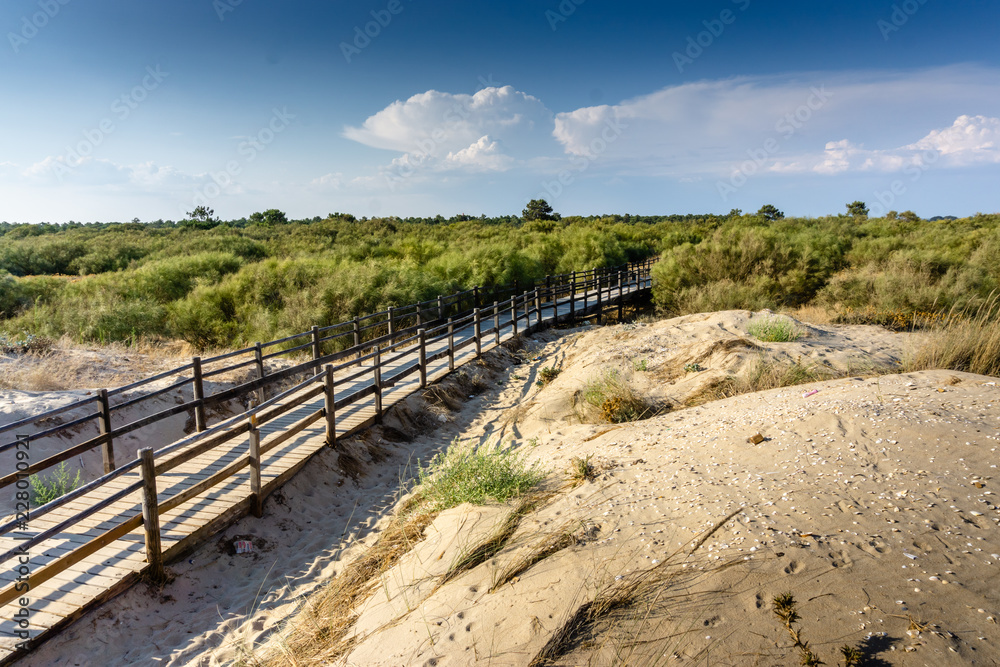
773 329
465 474
615 400
46 488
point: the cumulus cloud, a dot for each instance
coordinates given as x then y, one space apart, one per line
970 140
487 131
483 155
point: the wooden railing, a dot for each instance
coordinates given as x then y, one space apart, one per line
388 341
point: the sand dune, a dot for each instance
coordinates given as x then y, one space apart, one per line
873 501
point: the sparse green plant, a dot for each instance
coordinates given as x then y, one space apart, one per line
693 368
615 399
774 329
785 608
582 470
547 375
641 365
466 474
852 655
46 488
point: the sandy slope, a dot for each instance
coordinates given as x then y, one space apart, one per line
873 501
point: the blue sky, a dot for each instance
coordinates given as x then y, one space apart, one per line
116 109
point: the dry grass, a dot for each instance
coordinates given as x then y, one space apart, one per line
496 540
56 371
542 549
581 470
962 343
612 399
632 597
321 630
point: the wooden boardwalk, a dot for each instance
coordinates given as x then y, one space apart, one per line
189 514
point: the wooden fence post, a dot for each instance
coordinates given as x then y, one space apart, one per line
451 344
357 335
199 395
475 297
258 355
315 341
538 309
572 298
477 330
513 313
392 324
440 308
600 317
104 424
621 299
256 501
329 404
151 517
423 358
420 319
496 322
377 372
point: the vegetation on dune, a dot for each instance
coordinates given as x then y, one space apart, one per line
865 270
228 284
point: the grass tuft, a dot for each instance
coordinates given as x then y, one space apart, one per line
476 474
963 343
615 400
547 375
582 470
774 329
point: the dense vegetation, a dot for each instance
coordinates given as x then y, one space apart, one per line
234 283
884 270
227 284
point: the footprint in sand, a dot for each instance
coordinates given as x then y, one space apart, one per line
875 547
759 601
793 567
841 559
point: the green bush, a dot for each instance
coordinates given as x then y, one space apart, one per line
465 474
46 488
772 329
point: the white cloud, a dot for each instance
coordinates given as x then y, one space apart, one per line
483 155
712 127
331 182
969 141
488 131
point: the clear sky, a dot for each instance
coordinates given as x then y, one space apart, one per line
117 109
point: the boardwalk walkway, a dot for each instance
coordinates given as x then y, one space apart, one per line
202 489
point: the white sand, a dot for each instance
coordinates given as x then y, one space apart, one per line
873 501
